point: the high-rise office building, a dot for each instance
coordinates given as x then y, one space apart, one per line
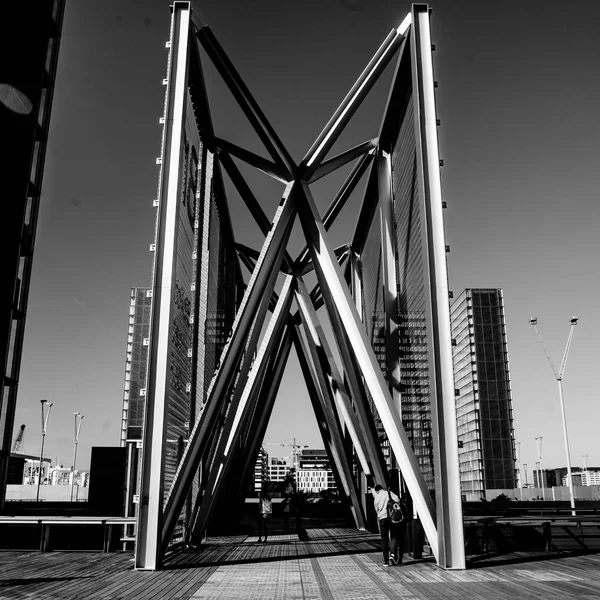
136 365
29 43
484 399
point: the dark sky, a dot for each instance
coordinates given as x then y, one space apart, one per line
518 98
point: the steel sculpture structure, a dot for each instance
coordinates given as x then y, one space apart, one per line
254 328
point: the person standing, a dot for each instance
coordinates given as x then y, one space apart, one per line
388 530
286 504
265 509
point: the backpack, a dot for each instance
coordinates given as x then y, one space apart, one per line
394 510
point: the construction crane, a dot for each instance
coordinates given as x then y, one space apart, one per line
295 450
18 443
558 375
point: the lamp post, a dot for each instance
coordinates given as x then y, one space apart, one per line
538 441
539 474
78 419
45 417
559 378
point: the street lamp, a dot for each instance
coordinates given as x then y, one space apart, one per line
45 417
559 378
538 441
78 419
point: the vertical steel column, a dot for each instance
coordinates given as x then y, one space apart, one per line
443 404
330 276
148 552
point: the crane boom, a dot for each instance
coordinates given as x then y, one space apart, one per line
18 443
563 364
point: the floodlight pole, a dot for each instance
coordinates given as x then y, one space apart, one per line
44 427
559 378
78 419
538 441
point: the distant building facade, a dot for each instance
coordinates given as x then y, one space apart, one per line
29 42
261 470
278 469
483 393
314 470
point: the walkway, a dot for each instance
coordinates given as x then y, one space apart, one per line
334 564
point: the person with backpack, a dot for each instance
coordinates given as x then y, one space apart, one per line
390 517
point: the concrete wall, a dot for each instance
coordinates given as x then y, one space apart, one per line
48 493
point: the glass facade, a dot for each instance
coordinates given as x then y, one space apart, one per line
31 38
136 365
411 265
484 401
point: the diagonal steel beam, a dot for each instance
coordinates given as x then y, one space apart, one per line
265 402
245 100
352 372
254 160
239 410
340 160
268 262
329 274
329 368
250 201
327 420
353 100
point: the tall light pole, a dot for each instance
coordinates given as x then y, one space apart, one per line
45 417
78 419
559 378
525 469
538 441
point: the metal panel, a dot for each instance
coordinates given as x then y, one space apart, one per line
449 509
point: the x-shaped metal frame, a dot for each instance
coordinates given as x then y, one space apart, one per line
318 365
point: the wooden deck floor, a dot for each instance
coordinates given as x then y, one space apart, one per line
334 564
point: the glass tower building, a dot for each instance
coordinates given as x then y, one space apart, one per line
484 400
29 43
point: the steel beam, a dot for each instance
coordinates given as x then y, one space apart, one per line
268 261
340 160
329 274
329 425
148 551
352 101
254 160
388 271
245 100
265 402
241 403
329 367
250 201
352 373
443 403
339 200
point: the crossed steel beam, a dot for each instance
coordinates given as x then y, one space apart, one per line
334 395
